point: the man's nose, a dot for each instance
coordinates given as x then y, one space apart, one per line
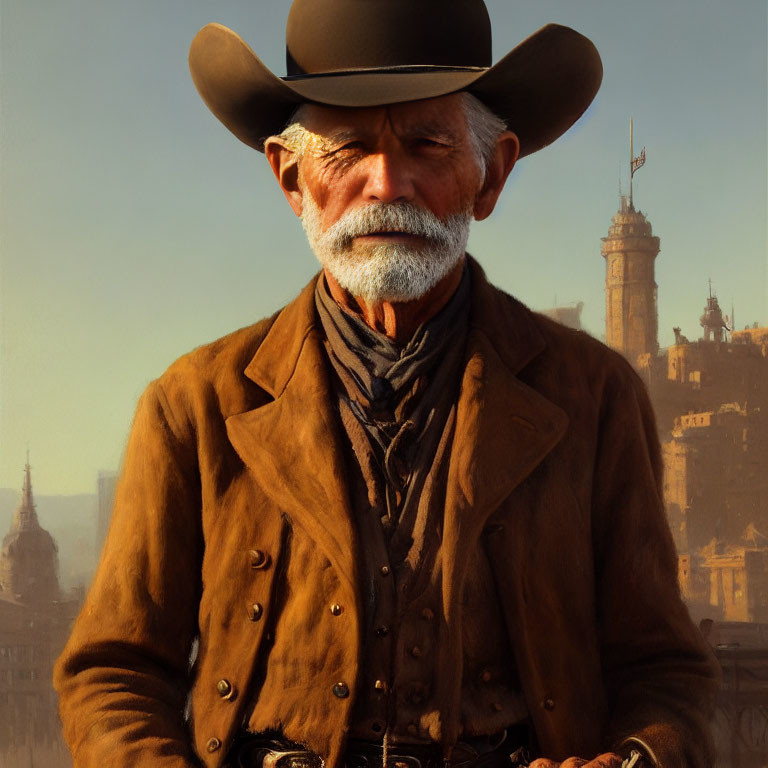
389 179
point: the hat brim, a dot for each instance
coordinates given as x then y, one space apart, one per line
540 88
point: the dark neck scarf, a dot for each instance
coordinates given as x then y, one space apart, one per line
400 394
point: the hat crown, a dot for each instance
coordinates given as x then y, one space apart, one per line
340 35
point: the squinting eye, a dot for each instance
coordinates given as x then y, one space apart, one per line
430 143
350 145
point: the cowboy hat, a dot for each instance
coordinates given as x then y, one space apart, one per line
362 53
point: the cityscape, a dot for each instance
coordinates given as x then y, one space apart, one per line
710 394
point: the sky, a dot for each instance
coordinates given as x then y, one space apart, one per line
134 227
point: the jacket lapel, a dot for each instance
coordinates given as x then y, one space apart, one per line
292 445
504 428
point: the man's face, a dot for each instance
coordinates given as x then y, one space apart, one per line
418 152
386 194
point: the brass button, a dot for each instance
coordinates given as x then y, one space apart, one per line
213 744
492 528
485 676
415 651
385 570
259 559
341 690
336 609
255 612
380 685
225 689
428 614
548 703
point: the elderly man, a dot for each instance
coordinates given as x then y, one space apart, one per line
404 522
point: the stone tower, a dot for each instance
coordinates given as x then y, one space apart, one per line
29 556
631 316
712 320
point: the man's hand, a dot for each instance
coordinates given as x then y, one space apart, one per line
607 760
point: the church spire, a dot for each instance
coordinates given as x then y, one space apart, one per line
25 518
28 557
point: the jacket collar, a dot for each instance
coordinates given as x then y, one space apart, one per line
293 445
504 322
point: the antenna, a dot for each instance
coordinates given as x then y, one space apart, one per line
631 158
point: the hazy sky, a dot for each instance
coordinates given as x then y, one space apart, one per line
135 227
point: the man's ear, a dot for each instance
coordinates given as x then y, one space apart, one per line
504 159
285 165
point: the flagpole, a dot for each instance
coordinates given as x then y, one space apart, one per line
631 158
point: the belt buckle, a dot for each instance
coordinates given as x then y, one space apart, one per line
285 759
402 761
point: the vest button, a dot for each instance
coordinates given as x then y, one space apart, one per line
259 559
384 570
213 744
381 686
341 690
255 612
548 703
225 689
416 652
492 528
336 609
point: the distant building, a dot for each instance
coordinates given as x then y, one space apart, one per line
710 397
35 619
754 335
735 584
106 483
715 483
569 315
631 315
29 562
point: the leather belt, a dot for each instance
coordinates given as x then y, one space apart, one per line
505 750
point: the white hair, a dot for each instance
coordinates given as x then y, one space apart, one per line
484 126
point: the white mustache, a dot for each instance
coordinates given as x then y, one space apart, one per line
390 217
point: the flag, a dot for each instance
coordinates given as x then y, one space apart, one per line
638 162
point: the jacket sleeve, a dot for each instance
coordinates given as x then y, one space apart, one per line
123 676
659 672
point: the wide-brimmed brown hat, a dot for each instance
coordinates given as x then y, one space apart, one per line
363 53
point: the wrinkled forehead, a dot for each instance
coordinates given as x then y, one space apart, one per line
443 115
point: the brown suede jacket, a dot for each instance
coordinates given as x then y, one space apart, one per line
235 463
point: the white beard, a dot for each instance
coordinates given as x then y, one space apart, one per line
385 272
